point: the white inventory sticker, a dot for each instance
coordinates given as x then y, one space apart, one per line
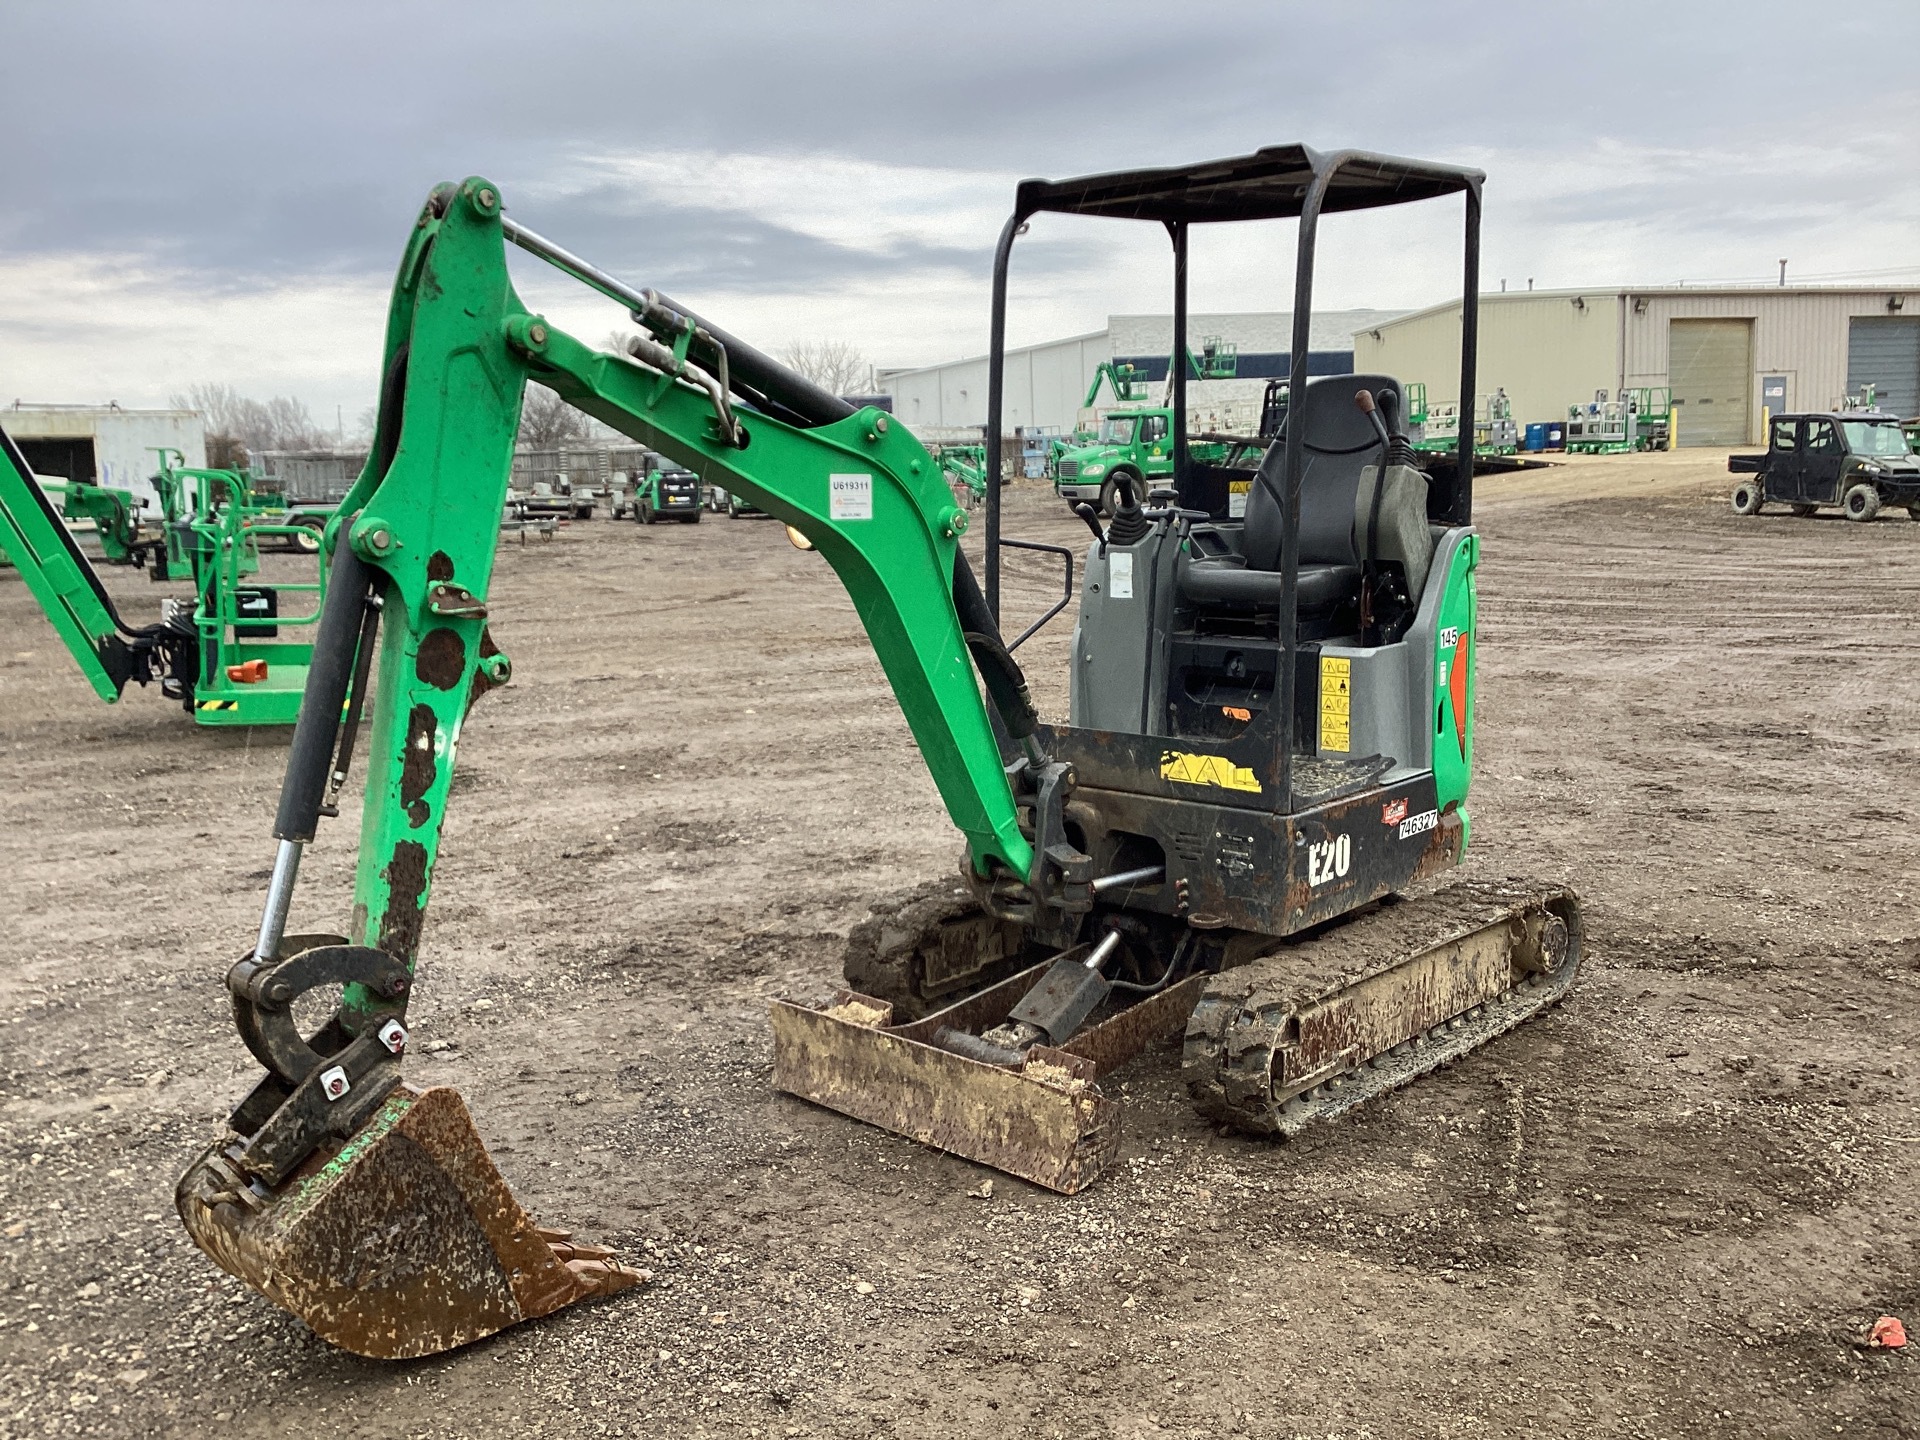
1120 576
1419 824
850 497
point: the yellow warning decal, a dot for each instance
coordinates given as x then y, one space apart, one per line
1237 492
1336 703
1214 770
216 704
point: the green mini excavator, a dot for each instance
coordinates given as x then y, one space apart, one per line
1269 746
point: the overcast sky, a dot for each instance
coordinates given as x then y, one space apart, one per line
218 192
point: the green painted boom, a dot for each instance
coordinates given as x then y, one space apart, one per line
460 349
38 543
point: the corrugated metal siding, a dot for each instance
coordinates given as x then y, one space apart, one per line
1710 367
1269 332
124 440
1045 384
1799 334
1546 352
1884 351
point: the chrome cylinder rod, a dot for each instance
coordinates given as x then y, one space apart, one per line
273 924
1126 879
1102 952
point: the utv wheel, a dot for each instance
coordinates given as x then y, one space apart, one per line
733 511
646 514
1861 503
1748 498
307 541
1804 511
693 519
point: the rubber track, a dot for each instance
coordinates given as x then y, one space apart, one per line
1228 1059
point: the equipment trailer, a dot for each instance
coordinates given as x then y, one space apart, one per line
1271 737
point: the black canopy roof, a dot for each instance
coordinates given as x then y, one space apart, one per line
1270 184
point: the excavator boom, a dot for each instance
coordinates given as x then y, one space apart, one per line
331 1144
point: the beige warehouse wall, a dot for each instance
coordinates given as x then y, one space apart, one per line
1800 334
1546 352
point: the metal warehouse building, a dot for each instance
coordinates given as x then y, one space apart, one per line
1047 383
1725 353
104 443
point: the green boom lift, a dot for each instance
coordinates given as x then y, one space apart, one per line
115 517
1218 360
221 655
967 464
1203 848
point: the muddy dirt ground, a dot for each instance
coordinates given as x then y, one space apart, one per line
1669 1208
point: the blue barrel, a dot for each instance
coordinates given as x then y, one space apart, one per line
1537 437
1556 435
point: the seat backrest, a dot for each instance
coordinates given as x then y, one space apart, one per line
1339 442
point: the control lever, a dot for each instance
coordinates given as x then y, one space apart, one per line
1389 402
1092 516
1364 400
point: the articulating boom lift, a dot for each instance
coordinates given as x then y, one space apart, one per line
223 655
1144 862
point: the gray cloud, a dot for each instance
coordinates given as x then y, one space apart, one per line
229 148
241 139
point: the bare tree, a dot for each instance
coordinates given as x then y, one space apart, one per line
239 426
546 420
834 365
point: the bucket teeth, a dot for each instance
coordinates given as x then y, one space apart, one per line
403 1242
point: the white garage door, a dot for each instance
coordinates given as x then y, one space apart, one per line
1710 366
1884 352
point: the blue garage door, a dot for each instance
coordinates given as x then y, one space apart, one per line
1884 352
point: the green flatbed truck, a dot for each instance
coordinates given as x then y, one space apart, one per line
1135 445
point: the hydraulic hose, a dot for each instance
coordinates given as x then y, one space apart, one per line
1006 683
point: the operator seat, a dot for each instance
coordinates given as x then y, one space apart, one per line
1339 443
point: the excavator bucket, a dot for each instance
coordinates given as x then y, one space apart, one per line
405 1241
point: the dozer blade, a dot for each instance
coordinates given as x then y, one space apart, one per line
1046 1121
403 1242
1315 1028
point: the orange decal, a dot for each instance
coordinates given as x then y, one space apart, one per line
1457 689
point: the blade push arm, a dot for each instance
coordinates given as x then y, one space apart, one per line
417 533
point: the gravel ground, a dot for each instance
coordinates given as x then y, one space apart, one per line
1671 1207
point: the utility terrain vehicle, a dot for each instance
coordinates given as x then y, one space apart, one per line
1861 462
668 493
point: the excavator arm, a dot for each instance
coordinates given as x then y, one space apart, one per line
315 1156
423 523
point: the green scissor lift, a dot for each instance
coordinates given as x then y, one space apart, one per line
222 655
